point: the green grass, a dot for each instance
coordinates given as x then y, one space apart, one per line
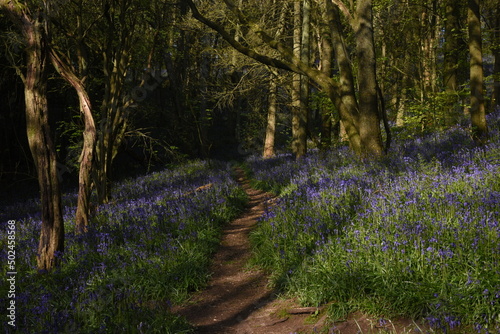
415 235
145 252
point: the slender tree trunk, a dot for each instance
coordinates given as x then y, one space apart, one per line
451 57
496 52
428 27
114 106
299 122
89 141
477 110
326 51
271 118
51 244
86 163
405 86
269 140
348 105
304 80
432 46
400 115
369 120
43 150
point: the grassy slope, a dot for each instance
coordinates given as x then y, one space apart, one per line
416 234
147 250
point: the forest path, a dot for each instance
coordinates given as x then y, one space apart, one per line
238 299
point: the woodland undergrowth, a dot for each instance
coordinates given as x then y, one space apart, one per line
413 235
144 252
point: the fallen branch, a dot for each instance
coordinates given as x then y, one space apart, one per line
204 187
304 310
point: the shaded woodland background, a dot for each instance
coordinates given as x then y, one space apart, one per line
214 99
164 87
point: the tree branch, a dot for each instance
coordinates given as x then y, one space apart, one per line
237 45
17 15
343 9
290 62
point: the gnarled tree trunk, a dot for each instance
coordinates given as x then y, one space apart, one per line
89 140
51 243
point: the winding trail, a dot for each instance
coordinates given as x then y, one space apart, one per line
234 292
238 300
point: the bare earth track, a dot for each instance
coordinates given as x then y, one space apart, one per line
238 300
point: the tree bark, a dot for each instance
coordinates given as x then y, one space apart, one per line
477 110
428 55
89 141
305 51
369 119
271 118
51 244
326 57
348 104
451 57
496 52
299 112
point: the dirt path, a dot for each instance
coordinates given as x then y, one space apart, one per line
237 299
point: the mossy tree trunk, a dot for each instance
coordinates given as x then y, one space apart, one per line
369 117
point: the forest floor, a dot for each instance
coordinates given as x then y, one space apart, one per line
238 299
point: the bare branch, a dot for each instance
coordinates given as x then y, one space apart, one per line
289 62
235 44
343 9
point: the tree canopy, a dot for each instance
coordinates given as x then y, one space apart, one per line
98 89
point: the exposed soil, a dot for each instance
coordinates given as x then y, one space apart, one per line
238 300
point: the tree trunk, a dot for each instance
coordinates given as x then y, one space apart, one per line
428 38
404 87
269 140
451 58
477 110
51 244
271 118
496 52
299 120
326 52
115 105
89 141
304 80
348 105
369 120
